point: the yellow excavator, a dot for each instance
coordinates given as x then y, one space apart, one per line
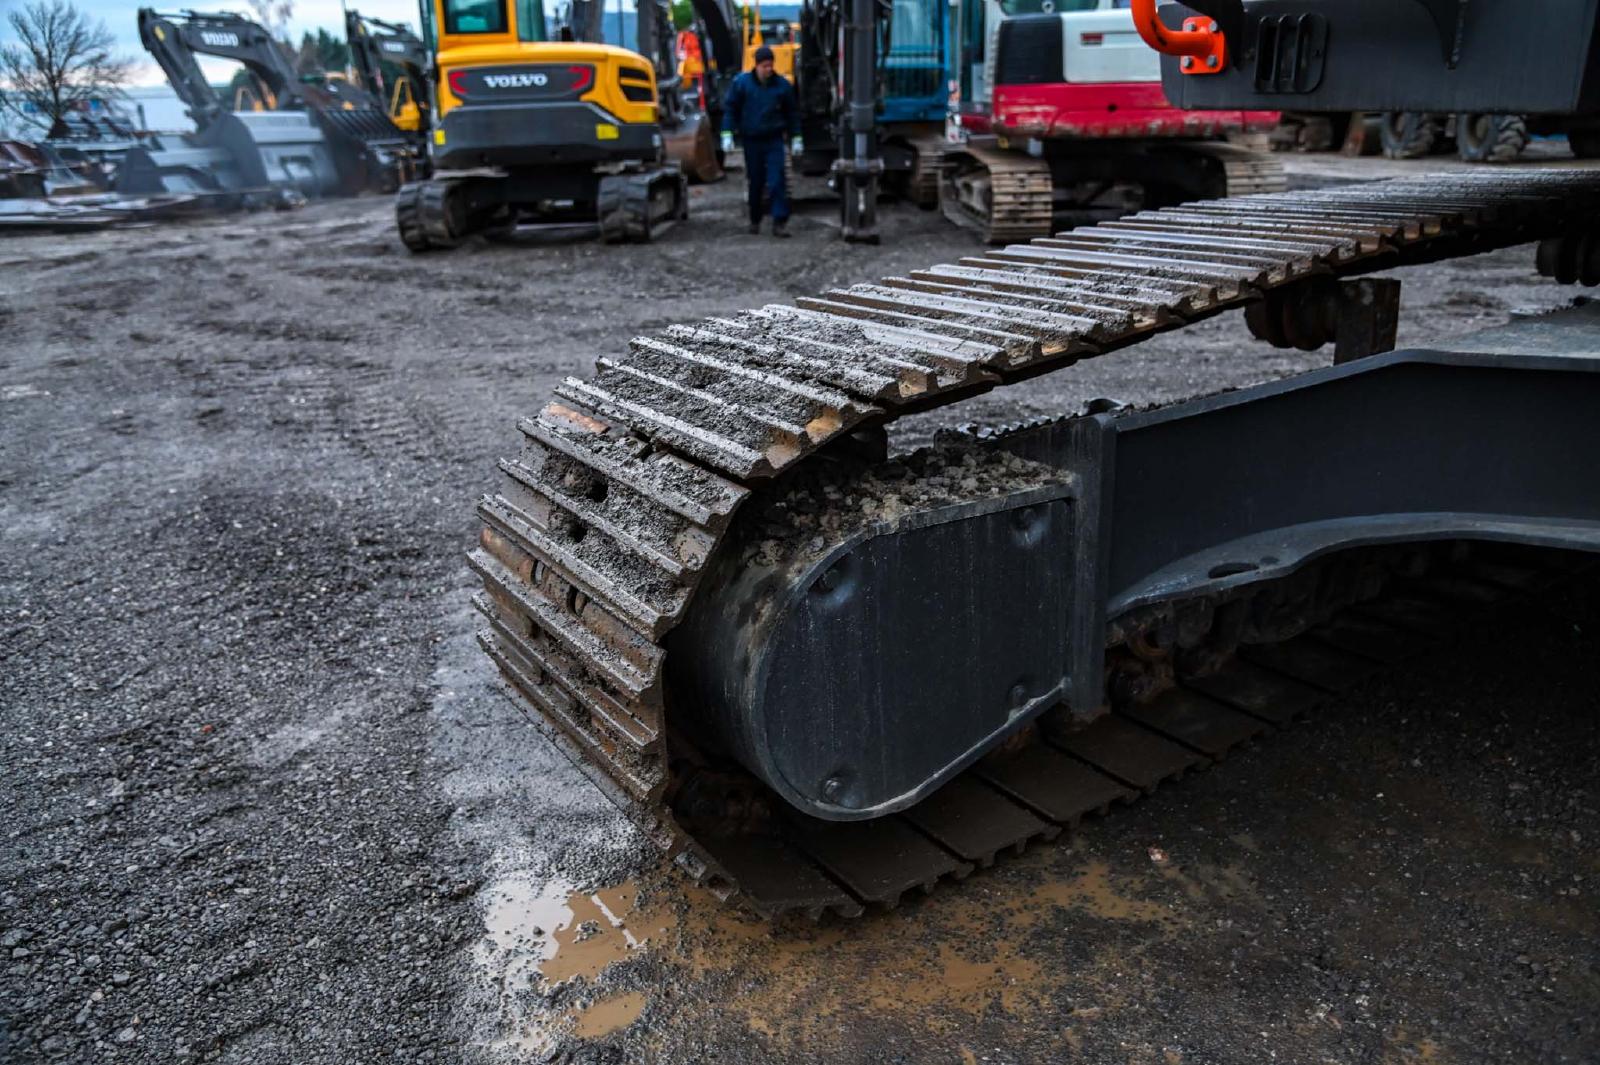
780 35
533 133
374 44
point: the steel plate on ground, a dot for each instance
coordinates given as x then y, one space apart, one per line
776 879
877 860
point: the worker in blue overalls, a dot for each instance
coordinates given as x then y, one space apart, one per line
761 110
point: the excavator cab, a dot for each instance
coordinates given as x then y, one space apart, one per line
404 111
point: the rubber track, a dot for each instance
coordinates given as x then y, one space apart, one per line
627 480
627 207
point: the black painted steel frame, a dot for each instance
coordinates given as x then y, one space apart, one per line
1497 438
1497 56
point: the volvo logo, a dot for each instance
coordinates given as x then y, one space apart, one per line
393 46
515 81
219 38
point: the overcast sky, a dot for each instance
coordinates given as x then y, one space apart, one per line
121 17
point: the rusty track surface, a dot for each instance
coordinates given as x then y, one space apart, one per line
627 483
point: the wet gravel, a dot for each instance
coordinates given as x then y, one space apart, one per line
259 788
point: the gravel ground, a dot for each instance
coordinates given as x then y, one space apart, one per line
263 802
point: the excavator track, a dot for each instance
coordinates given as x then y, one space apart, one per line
628 484
428 215
638 206
1003 195
927 170
1245 172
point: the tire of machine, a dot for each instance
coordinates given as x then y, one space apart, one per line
1486 138
408 217
1573 259
1409 134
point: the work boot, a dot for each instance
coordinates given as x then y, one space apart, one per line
755 227
781 229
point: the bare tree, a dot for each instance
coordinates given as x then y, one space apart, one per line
274 16
61 60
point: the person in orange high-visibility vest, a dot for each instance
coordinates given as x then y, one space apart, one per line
692 63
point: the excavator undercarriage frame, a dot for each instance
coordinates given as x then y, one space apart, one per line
820 676
633 204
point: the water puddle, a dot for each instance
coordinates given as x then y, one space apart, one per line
609 1015
1093 892
541 935
553 933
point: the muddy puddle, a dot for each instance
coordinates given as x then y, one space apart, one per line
937 965
542 936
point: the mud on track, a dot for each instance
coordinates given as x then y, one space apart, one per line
262 800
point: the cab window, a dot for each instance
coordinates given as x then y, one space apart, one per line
474 16
530 20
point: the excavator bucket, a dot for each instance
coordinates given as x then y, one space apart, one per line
247 151
372 152
692 145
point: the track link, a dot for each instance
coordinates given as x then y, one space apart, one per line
1245 172
927 170
628 481
1003 195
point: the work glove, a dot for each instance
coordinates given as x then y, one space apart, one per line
796 146
727 141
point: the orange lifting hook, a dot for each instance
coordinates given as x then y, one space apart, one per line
1203 47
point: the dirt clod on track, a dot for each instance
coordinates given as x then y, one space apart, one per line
262 800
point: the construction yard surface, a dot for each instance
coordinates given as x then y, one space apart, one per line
263 799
